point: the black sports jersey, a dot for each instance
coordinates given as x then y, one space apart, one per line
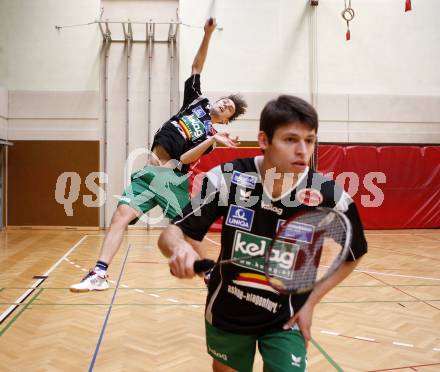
239 297
190 126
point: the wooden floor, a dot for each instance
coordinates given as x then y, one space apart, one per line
385 317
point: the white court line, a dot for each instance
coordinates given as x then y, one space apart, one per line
436 349
402 344
330 333
35 284
212 241
364 338
398 275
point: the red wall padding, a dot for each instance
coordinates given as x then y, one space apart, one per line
395 187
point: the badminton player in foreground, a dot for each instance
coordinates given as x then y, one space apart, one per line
289 236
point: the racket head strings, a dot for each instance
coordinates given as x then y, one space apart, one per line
307 248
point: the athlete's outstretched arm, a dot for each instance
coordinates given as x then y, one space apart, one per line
196 152
199 59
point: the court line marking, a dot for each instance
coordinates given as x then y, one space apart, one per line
326 355
330 333
362 338
406 293
6 327
368 339
182 303
405 367
372 272
212 241
327 332
10 309
104 326
106 304
397 275
402 344
205 289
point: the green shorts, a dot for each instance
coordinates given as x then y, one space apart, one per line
161 186
282 351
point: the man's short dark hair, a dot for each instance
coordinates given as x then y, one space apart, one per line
240 105
284 110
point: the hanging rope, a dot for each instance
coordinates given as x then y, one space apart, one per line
348 15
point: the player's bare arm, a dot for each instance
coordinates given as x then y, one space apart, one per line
195 153
181 250
200 57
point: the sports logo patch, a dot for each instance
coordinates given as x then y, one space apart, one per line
297 231
248 245
272 208
240 217
310 197
192 127
200 113
243 179
208 127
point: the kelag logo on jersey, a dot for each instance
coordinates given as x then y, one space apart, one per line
192 127
297 231
283 254
243 179
240 217
199 112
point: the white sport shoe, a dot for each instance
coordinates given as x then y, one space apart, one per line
91 282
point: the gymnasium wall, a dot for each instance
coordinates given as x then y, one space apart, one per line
163 94
382 86
52 76
3 113
53 183
3 73
3 40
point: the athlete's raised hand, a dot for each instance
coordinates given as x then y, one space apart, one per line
225 139
210 25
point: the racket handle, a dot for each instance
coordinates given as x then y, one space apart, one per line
201 266
211 21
